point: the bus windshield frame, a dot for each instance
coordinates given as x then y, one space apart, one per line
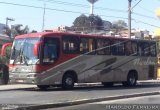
23 51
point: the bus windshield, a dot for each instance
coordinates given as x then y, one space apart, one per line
23 51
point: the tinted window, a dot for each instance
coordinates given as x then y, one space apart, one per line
103 46
51 50
153 49
143 49
87 45
128 48
70 44
134 48
117 47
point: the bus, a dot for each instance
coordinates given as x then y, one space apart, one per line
64 58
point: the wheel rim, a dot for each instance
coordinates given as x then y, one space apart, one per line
69 81
132 80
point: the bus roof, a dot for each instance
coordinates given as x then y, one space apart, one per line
42 34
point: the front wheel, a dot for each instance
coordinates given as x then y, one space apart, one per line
68 81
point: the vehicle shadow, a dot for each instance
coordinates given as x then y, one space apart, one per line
95 87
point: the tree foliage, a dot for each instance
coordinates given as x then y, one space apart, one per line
88 23
16 30
119 25
5 59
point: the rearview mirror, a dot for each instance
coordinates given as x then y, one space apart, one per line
4 47
37 48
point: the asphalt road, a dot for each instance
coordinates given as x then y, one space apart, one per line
54 95
138 103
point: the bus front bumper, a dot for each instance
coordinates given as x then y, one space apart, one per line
23 78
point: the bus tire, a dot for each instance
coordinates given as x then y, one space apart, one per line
131 79
107 84
68 81
43 87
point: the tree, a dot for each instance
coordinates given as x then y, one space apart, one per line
80 23
16 30
119 25
96 22
33 31
89 23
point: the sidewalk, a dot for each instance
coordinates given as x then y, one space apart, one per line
25 86
149 81
16 86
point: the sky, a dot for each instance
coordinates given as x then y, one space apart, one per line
64 12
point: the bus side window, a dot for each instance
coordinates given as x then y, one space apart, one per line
70 44
103 47
128 48
51 50
143 49
146 49
134 48
118 47
87 45
153 49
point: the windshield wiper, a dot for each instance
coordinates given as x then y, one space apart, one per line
17 55
23 58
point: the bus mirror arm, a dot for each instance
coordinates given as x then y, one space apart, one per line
4 47
36 48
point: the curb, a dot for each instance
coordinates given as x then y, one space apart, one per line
85 101
15 87
20 87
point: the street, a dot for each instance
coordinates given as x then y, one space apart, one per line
150 102
53 95
34 96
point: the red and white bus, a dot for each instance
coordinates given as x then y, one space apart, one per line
64 58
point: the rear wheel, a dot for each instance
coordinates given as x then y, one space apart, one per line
108 84
43 87
131 79
68 81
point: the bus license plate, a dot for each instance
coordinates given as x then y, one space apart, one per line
20 81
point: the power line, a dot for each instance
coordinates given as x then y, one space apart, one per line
145 9
81 5
68 11
53 9
136 4
138 14
138 21
100 8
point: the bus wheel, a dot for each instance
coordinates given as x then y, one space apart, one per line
108 84
131 79
68 81
43 87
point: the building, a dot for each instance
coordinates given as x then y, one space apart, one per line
136 34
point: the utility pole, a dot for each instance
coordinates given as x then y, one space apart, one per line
129 18
44 11
8 19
